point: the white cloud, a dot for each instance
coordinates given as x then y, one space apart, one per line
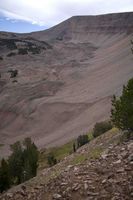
51 12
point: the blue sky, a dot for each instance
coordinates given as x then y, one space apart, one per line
34 15
19 26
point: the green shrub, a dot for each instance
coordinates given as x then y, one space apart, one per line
11 54
82 140
9 43
78 159
101 127
34 50
51 159
14 81
14 73
22 51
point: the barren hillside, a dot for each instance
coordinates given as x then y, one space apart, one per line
66 77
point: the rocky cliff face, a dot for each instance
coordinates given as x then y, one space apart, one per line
66 77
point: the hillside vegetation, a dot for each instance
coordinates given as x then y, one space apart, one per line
100 169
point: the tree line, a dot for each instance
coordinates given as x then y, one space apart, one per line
20 166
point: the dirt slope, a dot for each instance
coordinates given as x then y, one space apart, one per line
65 79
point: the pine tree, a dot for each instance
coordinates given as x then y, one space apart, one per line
4 176
122 108
16 162
30 156
74 147
51 159
82 140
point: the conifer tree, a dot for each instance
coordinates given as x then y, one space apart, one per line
122 108
4 176
16 162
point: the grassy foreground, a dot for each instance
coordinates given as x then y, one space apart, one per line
59 153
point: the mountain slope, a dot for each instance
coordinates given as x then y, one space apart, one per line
66 86
80 27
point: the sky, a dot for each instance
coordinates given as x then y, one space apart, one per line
34 15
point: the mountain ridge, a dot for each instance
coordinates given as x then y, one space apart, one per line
121 20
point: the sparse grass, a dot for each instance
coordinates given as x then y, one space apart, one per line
1 145
109 135
78 159
90 136
59 153
114 130
62 151
95 153
54 174
112 136
125 136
